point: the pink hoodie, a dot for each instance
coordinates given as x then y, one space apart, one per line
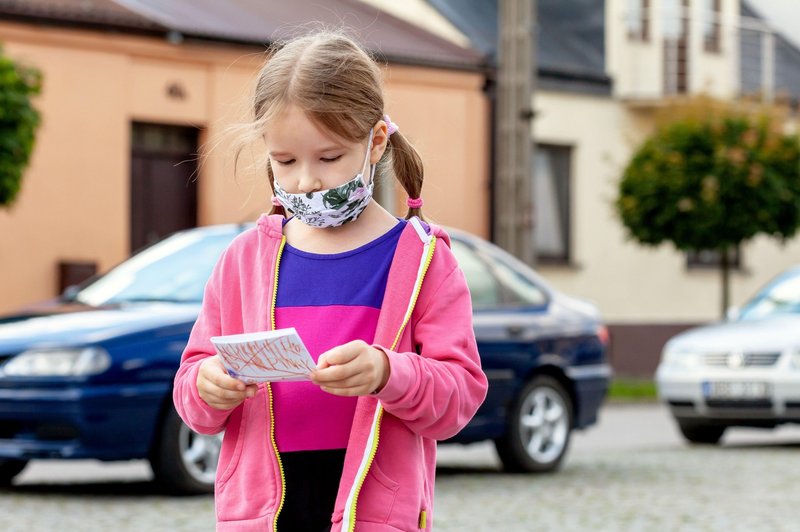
435 386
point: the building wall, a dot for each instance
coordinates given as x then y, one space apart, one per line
715 73
630 283
74 203
637 67
645 295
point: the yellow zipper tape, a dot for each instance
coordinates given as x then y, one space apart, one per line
376 423
269 388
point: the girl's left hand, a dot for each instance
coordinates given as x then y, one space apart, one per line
354 368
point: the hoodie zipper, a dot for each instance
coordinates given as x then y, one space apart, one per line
376 423
269 388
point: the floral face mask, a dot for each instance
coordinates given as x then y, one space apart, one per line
335 206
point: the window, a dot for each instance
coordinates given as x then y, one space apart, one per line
711 26
638 20
483 287
675 19
710 258
175 269
781 296
551 188
495 283
520 291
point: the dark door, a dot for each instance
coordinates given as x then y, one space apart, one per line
163 181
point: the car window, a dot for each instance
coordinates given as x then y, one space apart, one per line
483 287
175 269
780 297
519 289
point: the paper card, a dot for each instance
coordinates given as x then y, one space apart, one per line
268 356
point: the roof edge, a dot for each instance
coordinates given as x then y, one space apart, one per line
157 30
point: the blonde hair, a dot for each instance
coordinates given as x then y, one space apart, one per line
338 85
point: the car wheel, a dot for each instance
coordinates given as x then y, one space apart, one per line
10 468
539 427
699 433
183 460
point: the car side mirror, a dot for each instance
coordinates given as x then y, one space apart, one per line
70 293
732 314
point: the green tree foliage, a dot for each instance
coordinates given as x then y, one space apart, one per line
713 176
18 123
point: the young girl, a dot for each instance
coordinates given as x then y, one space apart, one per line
380 303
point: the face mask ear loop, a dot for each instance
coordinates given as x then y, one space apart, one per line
372 173
372 167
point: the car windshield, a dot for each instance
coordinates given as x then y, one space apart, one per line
779 297
173 270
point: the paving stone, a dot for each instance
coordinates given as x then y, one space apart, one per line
655 482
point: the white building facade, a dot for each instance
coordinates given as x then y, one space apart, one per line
655 50
651 51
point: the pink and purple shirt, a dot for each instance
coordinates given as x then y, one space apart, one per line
331 299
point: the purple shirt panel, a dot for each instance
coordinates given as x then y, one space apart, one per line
330 299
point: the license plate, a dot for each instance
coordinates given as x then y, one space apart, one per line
736 390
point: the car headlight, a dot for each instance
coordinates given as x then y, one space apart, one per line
681 359
67 362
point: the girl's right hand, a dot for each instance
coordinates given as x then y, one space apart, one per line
220 390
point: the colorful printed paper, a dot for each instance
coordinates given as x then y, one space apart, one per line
269 356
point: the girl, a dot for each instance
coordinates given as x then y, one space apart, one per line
380 303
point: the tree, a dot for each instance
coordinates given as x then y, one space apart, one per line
712 176
18 123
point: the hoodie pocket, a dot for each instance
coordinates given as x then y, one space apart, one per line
232 444
377 496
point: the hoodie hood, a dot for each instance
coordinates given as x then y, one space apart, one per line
273 226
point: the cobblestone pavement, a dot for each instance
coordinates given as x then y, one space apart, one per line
631 472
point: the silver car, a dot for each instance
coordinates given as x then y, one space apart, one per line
742 372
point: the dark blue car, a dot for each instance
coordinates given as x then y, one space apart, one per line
90 375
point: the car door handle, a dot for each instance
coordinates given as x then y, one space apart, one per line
515 331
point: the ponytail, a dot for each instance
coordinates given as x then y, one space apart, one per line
407 168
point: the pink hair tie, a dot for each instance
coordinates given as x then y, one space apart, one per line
414 203
390 126
276 201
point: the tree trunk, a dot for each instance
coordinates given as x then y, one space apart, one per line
725 266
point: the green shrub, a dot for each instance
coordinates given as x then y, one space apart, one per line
713 176
18 123
631 389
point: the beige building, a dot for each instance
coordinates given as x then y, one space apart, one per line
655 50
131 97
604 70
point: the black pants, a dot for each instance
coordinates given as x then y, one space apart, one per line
312 481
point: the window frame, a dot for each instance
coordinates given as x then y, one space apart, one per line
562 167
712 43
641 34
694 261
